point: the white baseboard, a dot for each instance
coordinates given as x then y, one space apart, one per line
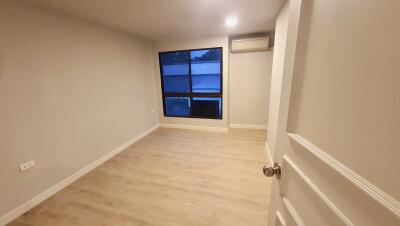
13 214
246 126
183 126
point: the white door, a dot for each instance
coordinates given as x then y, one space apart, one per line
334 124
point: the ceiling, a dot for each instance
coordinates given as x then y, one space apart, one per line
164 19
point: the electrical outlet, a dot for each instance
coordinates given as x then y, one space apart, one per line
26 165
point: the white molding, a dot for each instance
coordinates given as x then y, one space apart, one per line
279 221
292 211
13 214
370 189
269 154
247 126
184 126
318 192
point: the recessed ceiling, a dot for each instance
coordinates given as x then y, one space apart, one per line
163 19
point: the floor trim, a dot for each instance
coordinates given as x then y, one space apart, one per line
184 126
247 126
13 214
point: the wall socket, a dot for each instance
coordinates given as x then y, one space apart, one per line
26 165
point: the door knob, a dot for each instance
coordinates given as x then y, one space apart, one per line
270 171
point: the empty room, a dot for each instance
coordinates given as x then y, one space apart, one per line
199 113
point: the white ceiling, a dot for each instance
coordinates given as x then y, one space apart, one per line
162 19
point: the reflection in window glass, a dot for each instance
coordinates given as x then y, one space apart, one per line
206 107
177 106
191 82
175 70
206 70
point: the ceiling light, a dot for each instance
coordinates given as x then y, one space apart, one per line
231 21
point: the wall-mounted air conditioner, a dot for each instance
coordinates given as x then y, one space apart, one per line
250 45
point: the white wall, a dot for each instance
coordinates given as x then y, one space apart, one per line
70 92
249 88
182 44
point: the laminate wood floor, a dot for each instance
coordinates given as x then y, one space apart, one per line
171 177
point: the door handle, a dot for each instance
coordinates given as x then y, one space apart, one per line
270 171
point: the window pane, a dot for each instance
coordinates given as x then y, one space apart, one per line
175 69
177 106
206 107
206 70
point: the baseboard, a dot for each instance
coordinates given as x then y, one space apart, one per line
13 214
246 126
183 126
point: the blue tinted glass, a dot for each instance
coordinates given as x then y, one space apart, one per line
207 107
177 106
206 70
175 70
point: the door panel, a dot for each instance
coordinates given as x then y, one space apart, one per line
347 193
346 98
322 118
299 188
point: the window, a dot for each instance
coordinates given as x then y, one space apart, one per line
191 82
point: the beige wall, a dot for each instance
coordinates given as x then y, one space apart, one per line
249 87
181 44
70 92
347 89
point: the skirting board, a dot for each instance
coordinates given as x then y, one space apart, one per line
246 126
13 214
183 126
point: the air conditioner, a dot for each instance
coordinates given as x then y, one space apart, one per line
250 45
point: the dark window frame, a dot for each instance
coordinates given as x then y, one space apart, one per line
192 95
